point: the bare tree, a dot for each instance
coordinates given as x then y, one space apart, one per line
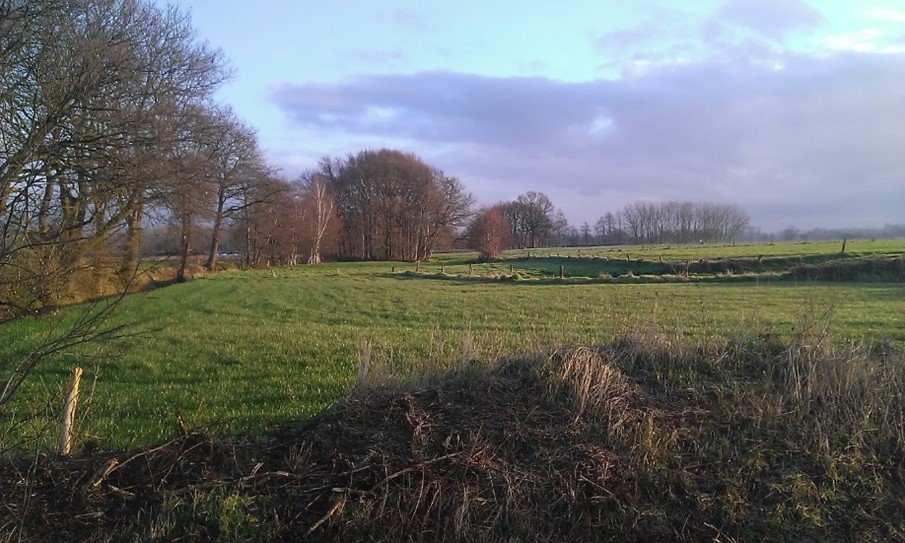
489 233
586 238
268 220
392 205
316 187
235 161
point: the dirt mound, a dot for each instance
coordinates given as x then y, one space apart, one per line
563 447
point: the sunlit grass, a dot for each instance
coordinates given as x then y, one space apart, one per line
261 348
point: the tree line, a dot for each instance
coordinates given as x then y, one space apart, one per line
671 222
531 220
107 112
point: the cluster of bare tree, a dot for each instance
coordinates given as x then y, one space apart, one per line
98 104
373 205
286 222
671 222
533 220
106 119
392 206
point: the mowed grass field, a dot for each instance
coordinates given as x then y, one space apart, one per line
259 349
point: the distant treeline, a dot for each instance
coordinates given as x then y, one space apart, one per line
890 231
671 222
531 220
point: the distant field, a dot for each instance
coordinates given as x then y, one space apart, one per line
259 348
854 248
703 261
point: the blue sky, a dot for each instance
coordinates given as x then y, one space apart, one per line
793 110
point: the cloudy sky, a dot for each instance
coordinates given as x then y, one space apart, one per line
792 109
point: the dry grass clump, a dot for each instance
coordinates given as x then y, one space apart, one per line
646 439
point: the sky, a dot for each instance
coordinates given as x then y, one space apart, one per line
793 110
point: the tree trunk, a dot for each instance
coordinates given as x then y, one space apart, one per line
215 241
44 210
184 251
131 251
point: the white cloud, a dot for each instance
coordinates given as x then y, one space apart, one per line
868 40
886 14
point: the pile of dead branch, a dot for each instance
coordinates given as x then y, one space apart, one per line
628 443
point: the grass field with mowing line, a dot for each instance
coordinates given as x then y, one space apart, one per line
255 349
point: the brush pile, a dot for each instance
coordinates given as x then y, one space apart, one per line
639 441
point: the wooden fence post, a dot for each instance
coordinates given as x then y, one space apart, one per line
69 411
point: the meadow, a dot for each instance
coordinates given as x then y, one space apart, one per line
259 349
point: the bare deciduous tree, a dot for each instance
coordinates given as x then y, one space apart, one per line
489 233
322 201
236 161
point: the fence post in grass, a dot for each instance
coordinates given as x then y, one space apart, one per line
562 271
843 246
72 398
510 269
417 265
442 268
470 270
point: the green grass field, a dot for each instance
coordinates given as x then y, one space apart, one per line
257 349
853 248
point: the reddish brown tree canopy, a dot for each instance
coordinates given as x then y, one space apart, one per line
489 233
